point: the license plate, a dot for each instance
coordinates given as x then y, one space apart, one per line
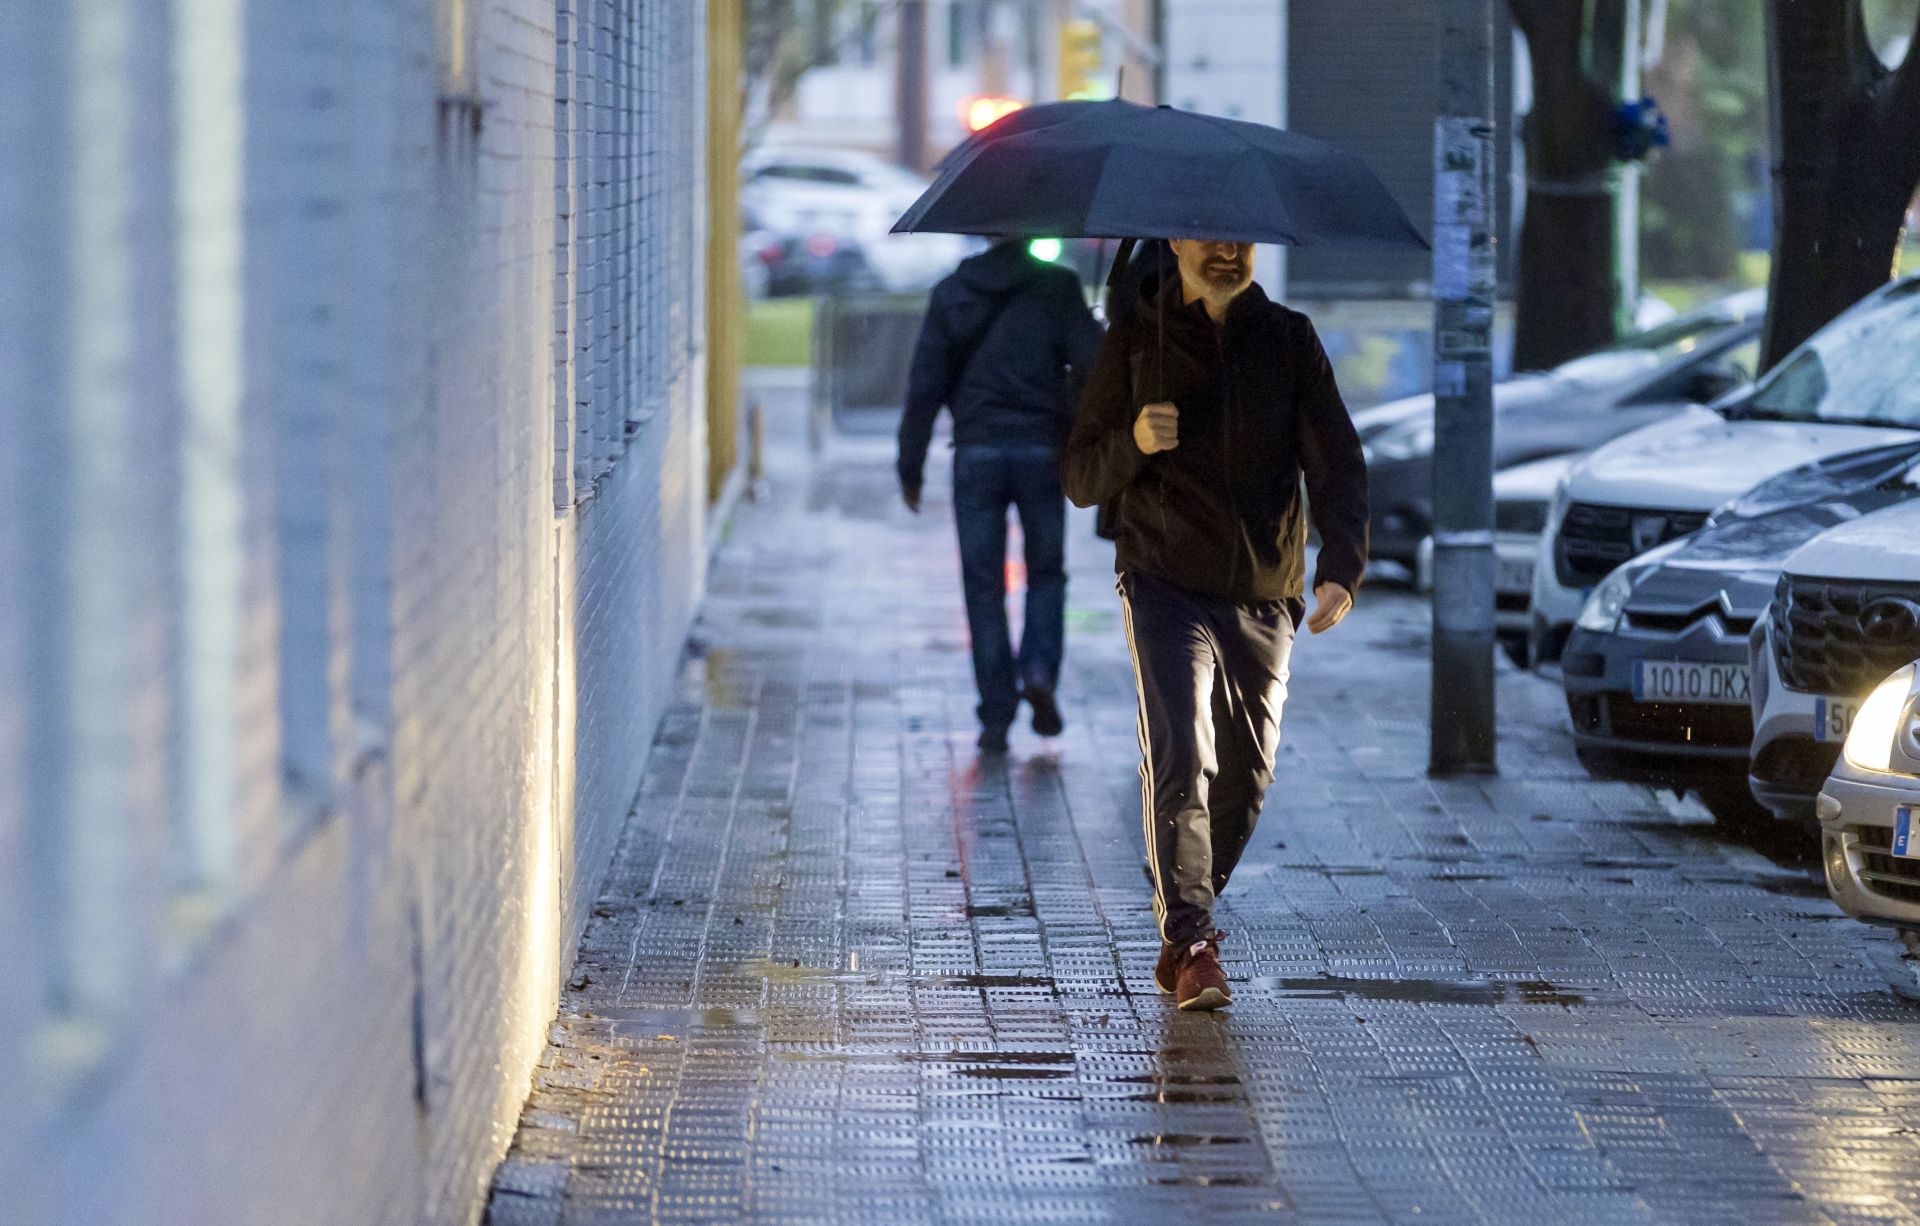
1833 718
1514 575
1903 844
1680 681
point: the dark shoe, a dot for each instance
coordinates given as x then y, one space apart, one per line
1046 712
1202 984
993 739
1166 972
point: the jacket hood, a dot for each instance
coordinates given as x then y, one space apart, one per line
1000 269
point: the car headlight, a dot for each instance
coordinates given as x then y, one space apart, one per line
1404 442
1601 613
1886 714
1609 600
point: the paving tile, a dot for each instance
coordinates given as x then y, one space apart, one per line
846 971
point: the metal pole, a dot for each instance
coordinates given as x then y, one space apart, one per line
1626 201
910 85
1462 734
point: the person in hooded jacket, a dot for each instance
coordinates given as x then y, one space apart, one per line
1006 339
1208 410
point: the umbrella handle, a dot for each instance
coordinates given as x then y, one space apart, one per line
1160 321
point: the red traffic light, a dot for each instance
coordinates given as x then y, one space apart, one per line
979 112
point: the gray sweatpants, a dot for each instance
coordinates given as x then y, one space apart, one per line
1211 677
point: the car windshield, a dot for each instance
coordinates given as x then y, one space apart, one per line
1864 368
1643 351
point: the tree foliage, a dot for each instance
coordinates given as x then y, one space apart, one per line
1697 195
783 40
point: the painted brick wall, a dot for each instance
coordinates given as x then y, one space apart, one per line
353 475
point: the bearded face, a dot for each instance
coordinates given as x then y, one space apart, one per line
1224 268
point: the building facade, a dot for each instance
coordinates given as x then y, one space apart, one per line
354 454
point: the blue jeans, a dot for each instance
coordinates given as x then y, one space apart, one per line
986 481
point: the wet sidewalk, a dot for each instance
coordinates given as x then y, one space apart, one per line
844 970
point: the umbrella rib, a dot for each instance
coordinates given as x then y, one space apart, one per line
1226 126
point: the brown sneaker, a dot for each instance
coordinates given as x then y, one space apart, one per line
1202 984
1166 972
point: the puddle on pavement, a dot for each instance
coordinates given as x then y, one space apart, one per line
995 1072
1186 1098
1626 863
790 972
1426 991
1186 1140
989 981
650 1020
1022 909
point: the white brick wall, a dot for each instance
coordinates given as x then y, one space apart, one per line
352 466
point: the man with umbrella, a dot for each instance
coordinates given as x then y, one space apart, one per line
1208 407
1000 337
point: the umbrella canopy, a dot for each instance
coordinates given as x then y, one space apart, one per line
1121 170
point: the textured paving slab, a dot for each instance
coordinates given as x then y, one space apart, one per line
845 971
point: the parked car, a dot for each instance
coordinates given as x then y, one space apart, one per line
1869 843
1846 613
819 263
1656 671
1690 360
851 199
1522 496
1834 394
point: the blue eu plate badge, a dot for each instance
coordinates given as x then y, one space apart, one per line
1903 833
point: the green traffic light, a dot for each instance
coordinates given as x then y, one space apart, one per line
1047 249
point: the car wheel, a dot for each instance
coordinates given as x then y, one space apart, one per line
1734 809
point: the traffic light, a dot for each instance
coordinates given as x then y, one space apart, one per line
1080 57
981 111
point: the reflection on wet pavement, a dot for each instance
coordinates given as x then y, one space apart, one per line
845 970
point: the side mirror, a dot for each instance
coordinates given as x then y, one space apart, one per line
1711 382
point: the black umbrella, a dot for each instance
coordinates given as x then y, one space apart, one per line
1025 119
1121 170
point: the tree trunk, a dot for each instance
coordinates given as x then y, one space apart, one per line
1846 139
1564 293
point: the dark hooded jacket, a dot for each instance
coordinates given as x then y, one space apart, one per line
1000 336
1221 514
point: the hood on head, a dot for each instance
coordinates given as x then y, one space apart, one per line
1000 268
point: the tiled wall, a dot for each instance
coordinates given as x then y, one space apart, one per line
339 589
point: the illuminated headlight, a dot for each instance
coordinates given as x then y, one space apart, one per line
1602 611
1886 714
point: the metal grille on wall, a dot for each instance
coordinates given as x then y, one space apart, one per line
626 93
